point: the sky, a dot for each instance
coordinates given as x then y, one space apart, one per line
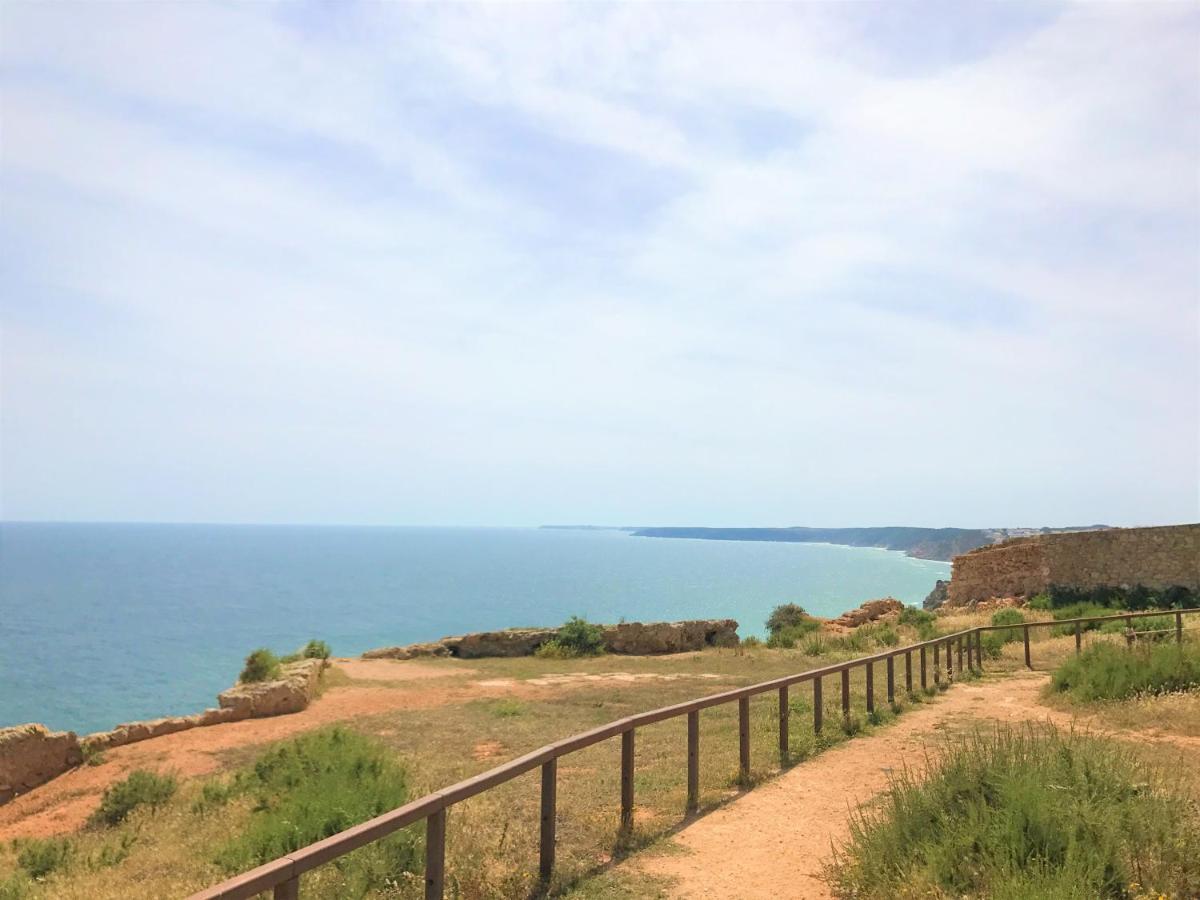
827 264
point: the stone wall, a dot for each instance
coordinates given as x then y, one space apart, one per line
635 638
31 755
1120 557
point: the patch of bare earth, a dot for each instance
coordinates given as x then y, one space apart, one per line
773 842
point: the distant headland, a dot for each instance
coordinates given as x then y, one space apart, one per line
923 543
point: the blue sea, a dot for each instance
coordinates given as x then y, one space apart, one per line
101 624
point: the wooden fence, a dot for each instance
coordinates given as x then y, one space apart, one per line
923 661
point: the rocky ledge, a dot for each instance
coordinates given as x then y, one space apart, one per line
633 638
31 755
870 611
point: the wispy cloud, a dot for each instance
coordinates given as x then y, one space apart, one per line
739 263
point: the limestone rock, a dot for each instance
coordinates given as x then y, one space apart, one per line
937 596
510 642
31 755
411 651
869 612
670 637
292 692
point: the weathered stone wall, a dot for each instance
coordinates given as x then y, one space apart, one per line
1120 557
635 638
30 755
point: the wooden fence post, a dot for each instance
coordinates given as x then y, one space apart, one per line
693 754
1028 663
908 682
627 781
549 813
924 679
937 662
846 695
979 650
288 890
891 679
818 705
870 688
1179 628
1078 638
435 855
1129 633
949 659
744 740
784 713
958 651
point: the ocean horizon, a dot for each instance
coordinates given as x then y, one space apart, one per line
108 623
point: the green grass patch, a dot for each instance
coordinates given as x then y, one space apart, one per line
1112 672
315 786
1026 813
141 788
41 857
1008 616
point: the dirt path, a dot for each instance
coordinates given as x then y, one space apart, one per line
376 686
773 841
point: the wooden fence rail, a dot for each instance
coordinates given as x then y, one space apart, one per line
282 876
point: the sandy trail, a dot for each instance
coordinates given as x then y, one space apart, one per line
378 686
773 841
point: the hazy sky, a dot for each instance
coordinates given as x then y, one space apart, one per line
824 264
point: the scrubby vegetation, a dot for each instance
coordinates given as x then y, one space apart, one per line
314 649
1031 813
39 857
789 624
261 665
1008 616
577 637
141 788
1111 672
313 787
1134 599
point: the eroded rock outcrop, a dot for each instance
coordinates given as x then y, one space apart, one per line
633 638
31 755
869 612
937 597
290 693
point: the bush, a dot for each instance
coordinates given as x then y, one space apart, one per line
1135 599
915 617
750 643
261 665
1153 627
141 788
786 615
577 637
315 786
315 649
788 636
1008 616
992 644
1079 611
1030 813
816 645
41 857
1111 672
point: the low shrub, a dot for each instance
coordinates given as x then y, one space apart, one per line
1108 671
992 644
886 636
916 617
315 786
786 615
1079 611
1008 616
315 649
1135 599
261 665
815 645
750 643
1040 602
1148 627
577 637
981 824
141 788
790 635
40 857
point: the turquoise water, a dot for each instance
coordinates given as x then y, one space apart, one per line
101 624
